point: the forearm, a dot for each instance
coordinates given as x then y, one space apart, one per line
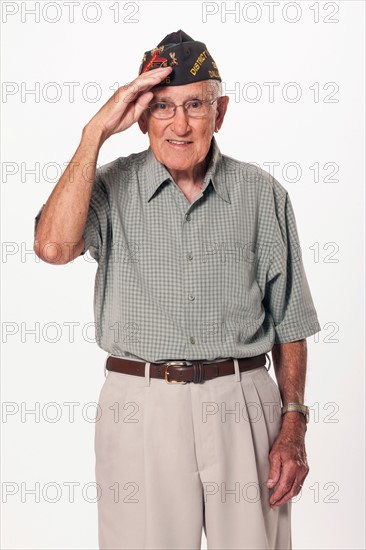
63 217
287 457
290 362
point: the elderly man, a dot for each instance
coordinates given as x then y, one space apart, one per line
199 276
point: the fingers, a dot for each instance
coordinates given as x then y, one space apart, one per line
292 492
127 103
288 475
129 92
292 477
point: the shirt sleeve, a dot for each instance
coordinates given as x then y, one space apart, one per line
97 221
287 298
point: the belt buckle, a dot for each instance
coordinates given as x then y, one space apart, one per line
179 364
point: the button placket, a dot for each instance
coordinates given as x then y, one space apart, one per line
188 273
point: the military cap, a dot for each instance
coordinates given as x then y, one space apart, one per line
190 59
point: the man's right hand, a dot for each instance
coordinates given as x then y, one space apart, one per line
127 103
64 216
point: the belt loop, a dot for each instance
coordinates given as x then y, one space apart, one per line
237 370
105 365
270 362
147 374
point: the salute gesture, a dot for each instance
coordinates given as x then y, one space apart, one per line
127 103
61 221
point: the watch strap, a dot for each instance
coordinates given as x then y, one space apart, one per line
297 407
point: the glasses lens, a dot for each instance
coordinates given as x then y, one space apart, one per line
197 108
162 109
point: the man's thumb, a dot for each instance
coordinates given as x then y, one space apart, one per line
274 472
142 102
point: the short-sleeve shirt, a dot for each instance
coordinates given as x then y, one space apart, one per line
221 277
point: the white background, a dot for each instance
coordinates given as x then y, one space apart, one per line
329 514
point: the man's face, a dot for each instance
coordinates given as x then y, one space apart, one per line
194 134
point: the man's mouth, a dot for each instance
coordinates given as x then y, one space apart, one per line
179 143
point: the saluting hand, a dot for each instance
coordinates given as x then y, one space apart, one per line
127 103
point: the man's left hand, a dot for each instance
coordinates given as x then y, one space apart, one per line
287 460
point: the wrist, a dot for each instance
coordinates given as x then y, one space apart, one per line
294 421
292 417
93 135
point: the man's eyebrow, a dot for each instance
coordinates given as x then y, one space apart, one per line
167 98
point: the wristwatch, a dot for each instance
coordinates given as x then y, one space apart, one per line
298 407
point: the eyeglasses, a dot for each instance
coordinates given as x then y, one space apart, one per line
195 108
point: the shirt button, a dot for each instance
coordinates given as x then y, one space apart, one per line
188 217
189 256
191 297
192 340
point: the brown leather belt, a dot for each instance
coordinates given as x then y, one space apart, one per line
181 372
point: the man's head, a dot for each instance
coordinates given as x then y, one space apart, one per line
194 86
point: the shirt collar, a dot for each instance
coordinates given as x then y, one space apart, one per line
156 173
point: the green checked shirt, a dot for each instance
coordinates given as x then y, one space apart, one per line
221 277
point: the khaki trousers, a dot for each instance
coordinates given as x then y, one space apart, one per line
172 459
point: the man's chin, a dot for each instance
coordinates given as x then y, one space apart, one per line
177 161
179 166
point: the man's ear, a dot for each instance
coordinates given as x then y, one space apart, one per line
142 122
221 111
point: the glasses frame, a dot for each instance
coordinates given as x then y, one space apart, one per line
210 102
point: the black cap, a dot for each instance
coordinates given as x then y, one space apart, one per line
190 59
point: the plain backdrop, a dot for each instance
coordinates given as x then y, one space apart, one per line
312 127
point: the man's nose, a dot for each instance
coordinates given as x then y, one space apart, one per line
180 120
